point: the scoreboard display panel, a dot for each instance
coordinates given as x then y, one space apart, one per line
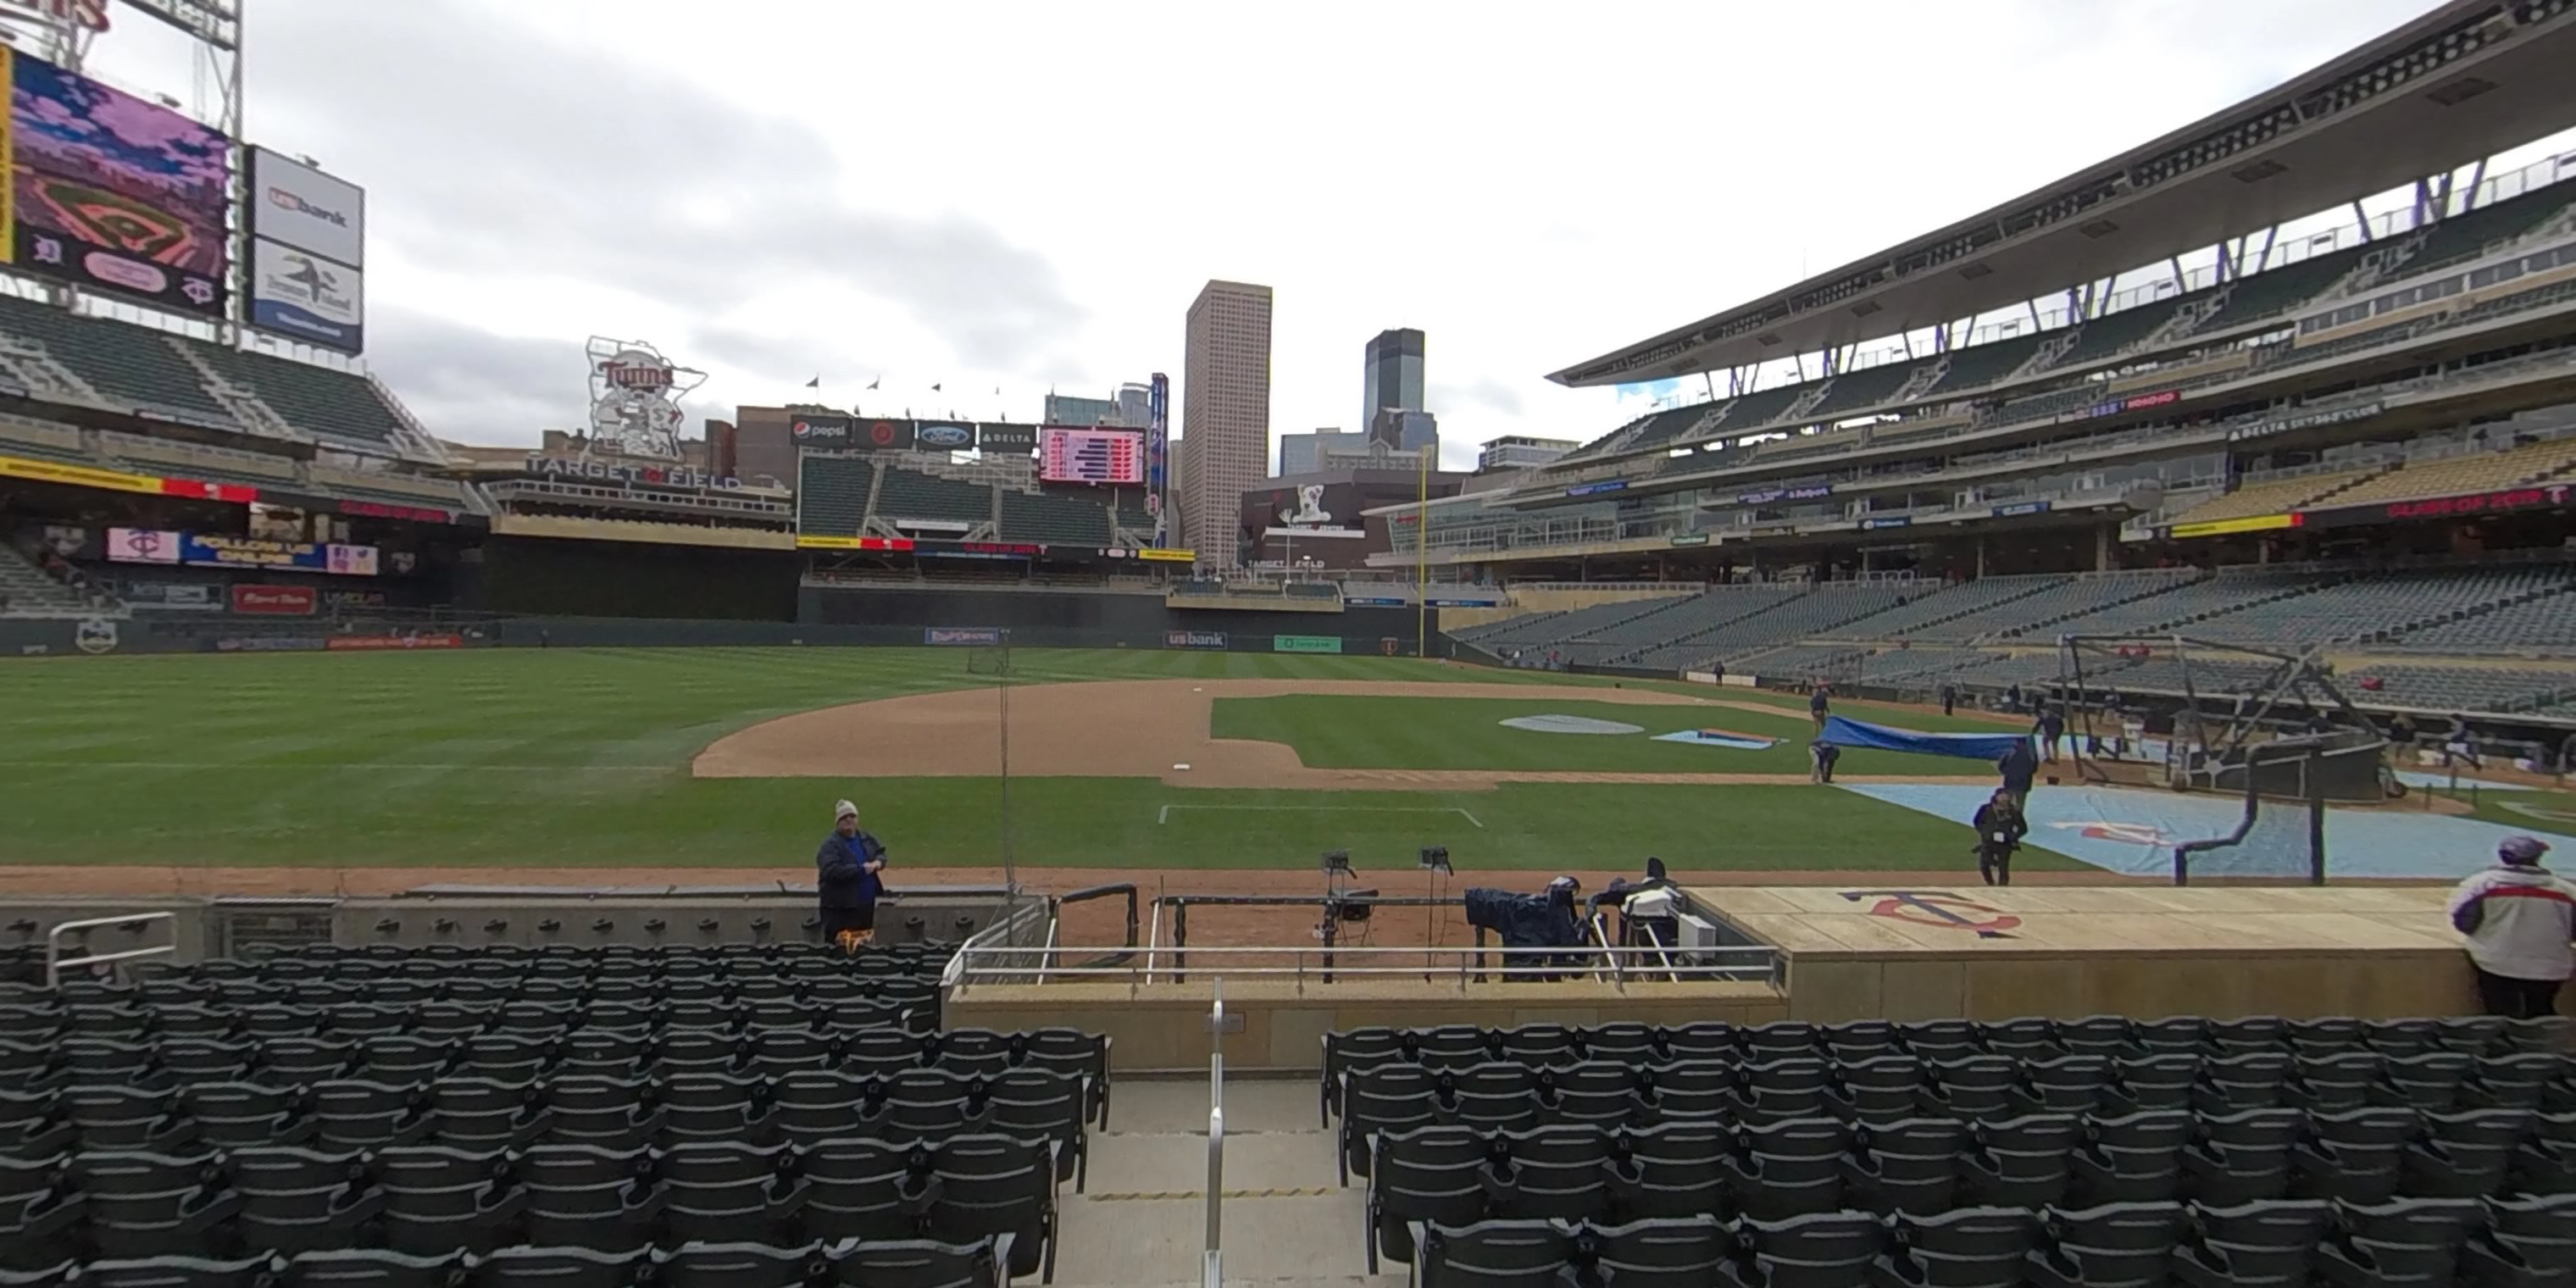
1090 456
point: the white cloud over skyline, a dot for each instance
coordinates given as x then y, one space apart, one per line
1024 196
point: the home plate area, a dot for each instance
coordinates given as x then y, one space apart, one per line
2133 831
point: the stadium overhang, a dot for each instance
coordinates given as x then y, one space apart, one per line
2466 81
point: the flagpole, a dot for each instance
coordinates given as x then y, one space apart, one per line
1422 553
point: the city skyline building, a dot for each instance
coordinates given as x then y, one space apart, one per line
1225 412
1391 367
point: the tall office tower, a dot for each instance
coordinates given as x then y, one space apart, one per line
1391 376
1135 405
1225 412
1304 453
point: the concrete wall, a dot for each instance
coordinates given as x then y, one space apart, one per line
1072 619
1526 602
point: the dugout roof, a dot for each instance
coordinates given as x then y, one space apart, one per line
2467 80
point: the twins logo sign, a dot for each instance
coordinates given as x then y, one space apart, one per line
1938 909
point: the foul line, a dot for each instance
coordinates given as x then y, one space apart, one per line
194 766
1164 816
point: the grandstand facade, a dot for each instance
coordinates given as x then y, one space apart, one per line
2177 394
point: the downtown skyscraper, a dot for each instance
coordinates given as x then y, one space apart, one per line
1225 413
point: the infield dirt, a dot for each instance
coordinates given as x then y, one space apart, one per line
1144 729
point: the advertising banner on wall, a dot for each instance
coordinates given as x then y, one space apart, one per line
1194 639
295 205
282 601
305 297
942 436
956 636
112 193
172 596
246 552
999 437
1305 643
379 642
880 435
814 429
142 545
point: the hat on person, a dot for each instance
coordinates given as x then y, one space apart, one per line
844 810
2522 849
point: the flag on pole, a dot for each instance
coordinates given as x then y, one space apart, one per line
935 388
873 383
817 383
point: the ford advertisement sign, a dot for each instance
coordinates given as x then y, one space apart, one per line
944 438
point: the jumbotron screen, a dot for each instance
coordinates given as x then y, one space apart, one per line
1090 456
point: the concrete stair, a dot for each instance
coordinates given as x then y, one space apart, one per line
1288 1223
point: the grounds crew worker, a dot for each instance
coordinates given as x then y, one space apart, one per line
2519 918
846 880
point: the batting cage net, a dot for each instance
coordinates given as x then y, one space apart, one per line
990 659
2283 832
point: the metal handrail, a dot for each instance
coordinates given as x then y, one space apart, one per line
1153 941
1611 961
1047 955
1214 1265
54 943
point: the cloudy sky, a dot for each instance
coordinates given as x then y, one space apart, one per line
1021 196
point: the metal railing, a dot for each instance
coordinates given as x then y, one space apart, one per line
1213 1270
1467 965
134 921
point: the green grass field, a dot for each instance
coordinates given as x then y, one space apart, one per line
579 757
1468 733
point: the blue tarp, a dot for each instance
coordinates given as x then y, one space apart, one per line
1981 746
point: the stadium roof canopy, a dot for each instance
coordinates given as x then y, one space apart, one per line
2468 80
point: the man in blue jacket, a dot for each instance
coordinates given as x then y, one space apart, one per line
846 880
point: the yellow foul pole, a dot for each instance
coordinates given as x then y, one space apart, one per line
1422 557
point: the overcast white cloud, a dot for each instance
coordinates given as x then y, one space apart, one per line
1019 195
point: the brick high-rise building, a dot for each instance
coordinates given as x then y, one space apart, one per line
1225 412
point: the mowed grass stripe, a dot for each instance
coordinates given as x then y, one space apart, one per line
579 757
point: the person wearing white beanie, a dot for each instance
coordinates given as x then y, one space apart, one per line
846 881
2519 918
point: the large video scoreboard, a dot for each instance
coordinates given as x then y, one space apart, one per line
1090 456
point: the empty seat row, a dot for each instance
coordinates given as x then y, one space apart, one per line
434 1201
928 949
2275 1244
455 1021
484 1113
2037 1038
481 986
1926 1165
596 1052
1498 1096
906 1263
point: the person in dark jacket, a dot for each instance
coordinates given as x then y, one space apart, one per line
1820 703
1823 754
2051 731
2018 766
846 879
2000 828
1949 697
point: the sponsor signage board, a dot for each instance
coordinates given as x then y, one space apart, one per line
295 205
299 294
245 552
2311 420
1305 643
1691 539
271 644
2016 509
1356 601
943 436
1809 492
1595 489
142 545
960 636
113 193
1194 639
1888 521
1168 556
70 475
993 437
2229 527
380 643
815 430
286 601
881 435
174 596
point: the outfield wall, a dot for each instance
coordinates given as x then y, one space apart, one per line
1074 619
